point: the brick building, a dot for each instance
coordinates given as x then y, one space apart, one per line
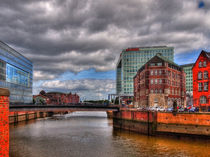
59 98
201 70
158 83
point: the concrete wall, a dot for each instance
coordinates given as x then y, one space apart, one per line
154 123
4 122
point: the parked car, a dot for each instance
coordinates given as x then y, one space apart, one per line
196 109
181 110
169 109
192 109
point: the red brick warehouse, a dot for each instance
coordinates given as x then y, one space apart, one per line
159 83
201 70
57 98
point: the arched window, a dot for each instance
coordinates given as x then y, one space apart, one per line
206 84
200 86
200 64
200 75
204 63
205 75
203 100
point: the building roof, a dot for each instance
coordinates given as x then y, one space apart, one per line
144 47
8 48
204 53
161 57
55 93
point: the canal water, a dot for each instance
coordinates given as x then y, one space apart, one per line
91 134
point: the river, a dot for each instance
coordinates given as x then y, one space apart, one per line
91 134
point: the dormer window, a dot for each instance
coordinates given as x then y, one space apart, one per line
200 64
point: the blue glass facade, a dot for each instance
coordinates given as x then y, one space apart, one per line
16 74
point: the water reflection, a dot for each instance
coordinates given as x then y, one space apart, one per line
90 134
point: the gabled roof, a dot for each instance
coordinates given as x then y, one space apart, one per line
204 53
162 58
166 60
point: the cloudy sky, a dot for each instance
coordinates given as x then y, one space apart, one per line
75 44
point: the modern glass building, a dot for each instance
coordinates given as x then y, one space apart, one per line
189 77
16 74
130 60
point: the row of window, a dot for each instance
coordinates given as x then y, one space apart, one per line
203 75
156 64
203 86
156 91
160 72
160 81
160 91
202 64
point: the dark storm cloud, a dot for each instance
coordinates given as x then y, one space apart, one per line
70 35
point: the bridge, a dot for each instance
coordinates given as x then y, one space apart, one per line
61 108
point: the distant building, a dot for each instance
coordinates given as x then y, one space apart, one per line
130 60
16 74
56 98
201 79
189 77
159 83
41 100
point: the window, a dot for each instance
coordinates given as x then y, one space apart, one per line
200 86
151 90
206 84
199 75
200 64
160 72
155 72
156 91
160 81
160 90
205 75
203 100
17 76
204 63
151 72
151 81
155 81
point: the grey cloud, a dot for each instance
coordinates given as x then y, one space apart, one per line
49 31
95 89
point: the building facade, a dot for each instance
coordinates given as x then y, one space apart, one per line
16 74
189 77
56 98
201 79
159 83
130 60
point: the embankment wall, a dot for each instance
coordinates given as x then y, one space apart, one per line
155 123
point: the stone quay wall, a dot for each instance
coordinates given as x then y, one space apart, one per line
15 117
162 123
